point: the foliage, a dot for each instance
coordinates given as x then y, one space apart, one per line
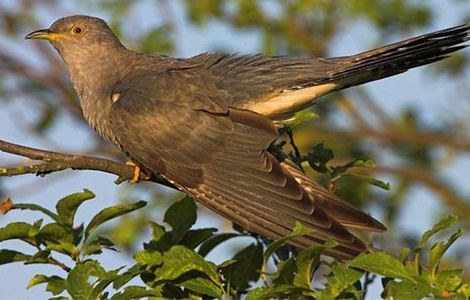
419 149
173 263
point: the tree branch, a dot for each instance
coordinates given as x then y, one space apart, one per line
54 162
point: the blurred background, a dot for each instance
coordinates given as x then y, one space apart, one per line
415 125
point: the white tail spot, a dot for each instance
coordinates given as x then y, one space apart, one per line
115 97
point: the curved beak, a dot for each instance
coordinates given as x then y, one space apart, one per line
42 34
45 34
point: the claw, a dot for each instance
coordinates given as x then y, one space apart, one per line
137 171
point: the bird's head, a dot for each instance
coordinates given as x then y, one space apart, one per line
79 37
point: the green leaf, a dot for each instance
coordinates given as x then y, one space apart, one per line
181 216
449 280
305 262
37 279
67 206
55 284
64 248
9 256
77 283
146 258
203 286
105 279
158 231
18 230
464 290
404 253
382 264
299 230
285 272
281 292
180 260
301 117
360 163
438 249
445 223
97 245
405 290
214 241
41 256
35 207
195 237
136 292
246 269
57 233
127 276
340 279
370 180
110 213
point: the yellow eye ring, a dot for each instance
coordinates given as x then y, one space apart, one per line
78 30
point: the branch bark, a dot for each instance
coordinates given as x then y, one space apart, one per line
55 161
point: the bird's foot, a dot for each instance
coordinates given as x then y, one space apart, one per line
137 172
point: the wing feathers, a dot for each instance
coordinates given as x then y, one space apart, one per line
221 158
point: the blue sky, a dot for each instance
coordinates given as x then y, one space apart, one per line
431 97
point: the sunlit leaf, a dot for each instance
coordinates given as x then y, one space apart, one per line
404 290
110 213
17 230
136 292
78 280
56 232
340 279
305 261
180 260
67 206
157 230
440 248
383 264
299 230
278 292
449 280
445 223
128 275
203 286
302 117
55 284
146 258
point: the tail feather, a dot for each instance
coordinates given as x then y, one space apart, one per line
340 210
399 57
394 59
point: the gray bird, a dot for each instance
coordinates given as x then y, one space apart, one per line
206 123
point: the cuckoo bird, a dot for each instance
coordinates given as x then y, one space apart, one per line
206 123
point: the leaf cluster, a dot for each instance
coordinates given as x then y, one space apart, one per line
174 263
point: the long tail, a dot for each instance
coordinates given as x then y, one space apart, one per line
399 57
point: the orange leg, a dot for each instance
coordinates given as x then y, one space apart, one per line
137 171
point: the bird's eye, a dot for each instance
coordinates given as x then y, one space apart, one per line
78 30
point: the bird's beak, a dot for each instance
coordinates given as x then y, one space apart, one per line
45 34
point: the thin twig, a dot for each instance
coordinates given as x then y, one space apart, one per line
54 162
298 155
